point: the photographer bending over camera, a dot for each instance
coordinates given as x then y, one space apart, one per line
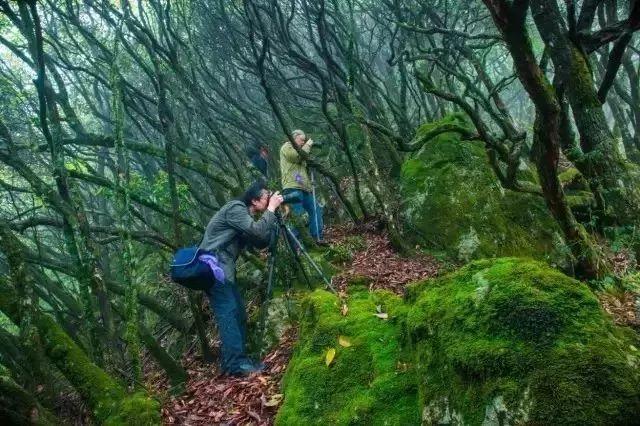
296 183
230 230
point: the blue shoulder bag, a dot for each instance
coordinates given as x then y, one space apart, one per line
188 271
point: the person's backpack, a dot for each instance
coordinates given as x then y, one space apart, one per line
188 271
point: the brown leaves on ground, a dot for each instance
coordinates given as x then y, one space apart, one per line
212 398
623 309
380 264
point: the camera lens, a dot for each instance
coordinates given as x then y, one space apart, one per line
290 198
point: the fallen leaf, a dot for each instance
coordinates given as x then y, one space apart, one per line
382 315
331 353
344 310
274 400
344 342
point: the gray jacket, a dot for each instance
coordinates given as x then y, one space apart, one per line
231 229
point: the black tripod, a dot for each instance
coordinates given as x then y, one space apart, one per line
296 248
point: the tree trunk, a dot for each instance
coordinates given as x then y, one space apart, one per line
545 132
602 163
176 373
548 133
105 396
170 134
17 406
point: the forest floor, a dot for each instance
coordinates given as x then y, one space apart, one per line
212 398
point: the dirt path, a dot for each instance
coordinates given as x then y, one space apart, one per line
211 398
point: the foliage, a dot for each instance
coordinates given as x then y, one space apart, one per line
343 252
202 80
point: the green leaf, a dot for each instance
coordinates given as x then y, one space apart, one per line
331 354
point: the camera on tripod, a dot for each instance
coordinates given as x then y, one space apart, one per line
291 198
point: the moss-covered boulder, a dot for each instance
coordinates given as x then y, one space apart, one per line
511 341
367 382
454 202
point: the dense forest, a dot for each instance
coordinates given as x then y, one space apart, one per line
477 163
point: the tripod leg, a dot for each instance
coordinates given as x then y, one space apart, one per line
296 256
311 261
264 309
315 205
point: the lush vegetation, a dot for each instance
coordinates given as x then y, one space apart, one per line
468 130
507 340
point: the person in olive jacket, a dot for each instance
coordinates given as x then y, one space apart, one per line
229 231
296 182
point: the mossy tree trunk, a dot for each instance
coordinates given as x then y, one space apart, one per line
125 221
176 373
106 397
587 265
609 176
510 19
76 227
171 137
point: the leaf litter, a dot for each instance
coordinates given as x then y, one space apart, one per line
379 263
213 398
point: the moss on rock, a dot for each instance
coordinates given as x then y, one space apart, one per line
511 341
455 203
367 382
501 341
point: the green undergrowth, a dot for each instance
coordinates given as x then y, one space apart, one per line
283 306
513 339
367 382
454 202
343 252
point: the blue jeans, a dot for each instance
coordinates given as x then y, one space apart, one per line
229 311
313 209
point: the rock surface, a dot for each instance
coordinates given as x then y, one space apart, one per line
455 203
499 342
512 341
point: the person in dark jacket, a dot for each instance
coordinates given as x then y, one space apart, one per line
229 231
258 154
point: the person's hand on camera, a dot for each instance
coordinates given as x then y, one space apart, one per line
310 142
275 201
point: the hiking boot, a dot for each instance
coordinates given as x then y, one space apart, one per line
247 368
322 243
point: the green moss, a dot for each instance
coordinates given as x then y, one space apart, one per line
106 397
367 382
572 179
501 340
513 338
454 202
138 409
